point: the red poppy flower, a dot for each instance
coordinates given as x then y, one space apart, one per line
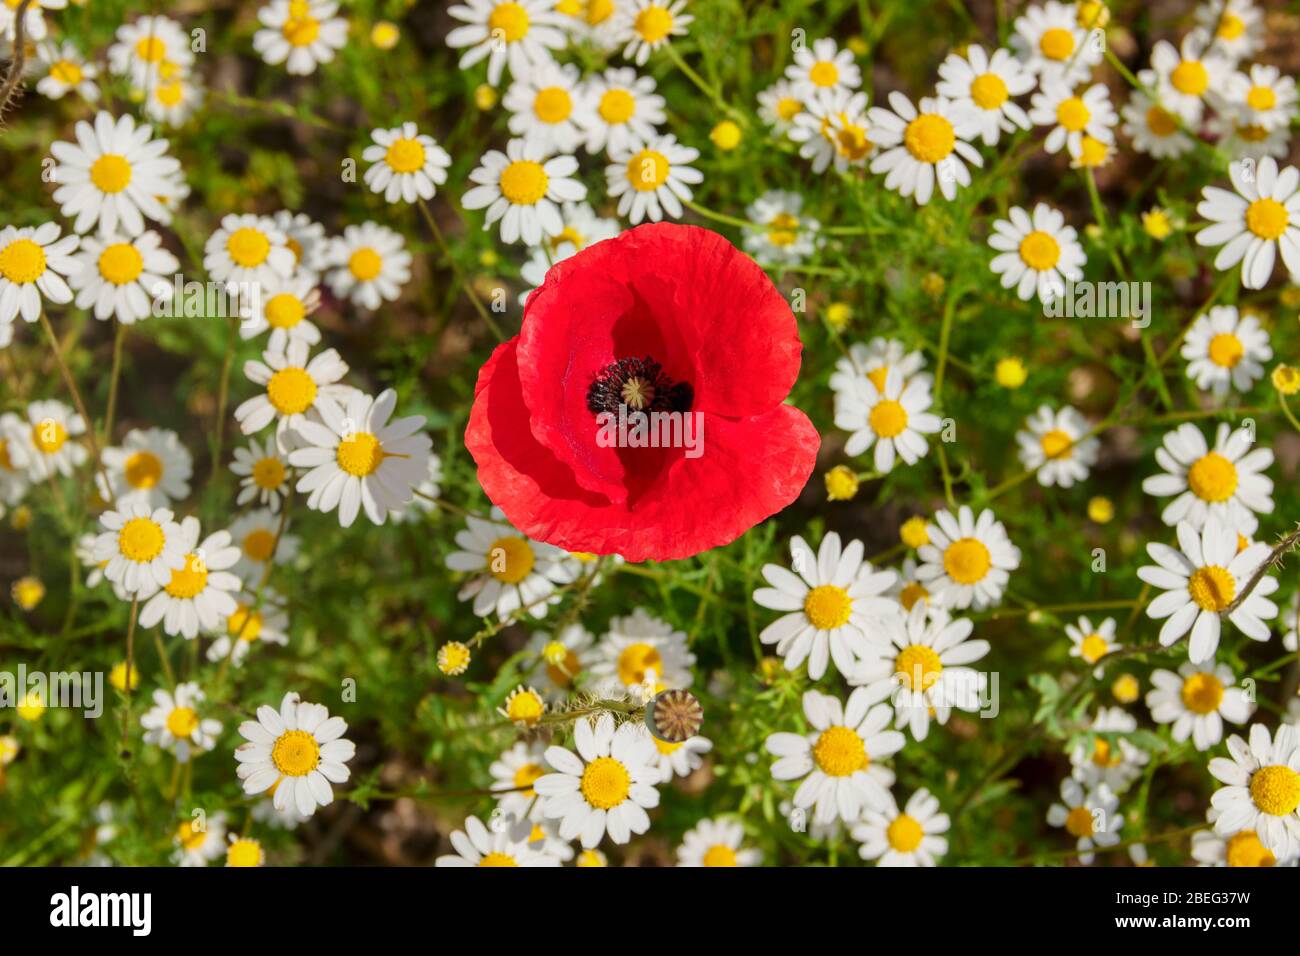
665 318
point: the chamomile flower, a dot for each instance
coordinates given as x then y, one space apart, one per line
646 25
34 265
1037 253
248 250
681 759
1073 116
198 844
123 278
293 384
198 594
582 227
824 67
1115 763
248 624
34 27
1153 129
368 264
282 307
616 108
518 32
985 87
1091 817
115 176
1237 26
1262 97
1056 446
512 573
1240 849
145 46
263 474
894 419
874 361
1262 789
543 108
968 560
653 178
560 658
66 71
1200 581
921 144
150 467
716 842
174 98
297 751
523 190
1240 140
306 239
356 459
302 34
1053 46
44 445
174 724
778 105
1261 219
910 837
14 480
405 163
784 236
1225 481
1196 701
832 597
1185 76
261 541
515 772
606 787
839 761
476 845
908 591
834 128
1090 644
640 651
1227 350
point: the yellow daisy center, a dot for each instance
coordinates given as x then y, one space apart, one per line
850 140
828 607
1093 648
365 264
598 11
638 660
1231 26
967 560
567 234
526 776
912 592
525 707
888 418
824 73
647 170
508 21
182 722
605 783
918 666
248 247
719 855
49 436
284 311
498 859
1073 114
553 104
1267 218
121 263
361 454
141 540
1212 477
653 24
66 72
1202 693
1226 350
929 138
295 753
1040 251
1056 443
190 838
1161 122
788 107
616 106
904 833
170 94
510 559
301 31
1190 77
782 229
150 49
245 623
524 182
110 173
143 469
1261 98
562 666
840 752
190 579
877 377
989 91
268 473
1276 789
1212 588
405 155
1093 152
244 853
1079 822
1056 43
257 545
22 261
1244 849
1252 133
291 391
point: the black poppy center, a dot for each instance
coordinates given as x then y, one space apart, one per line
640 385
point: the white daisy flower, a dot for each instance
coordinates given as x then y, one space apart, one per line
1263 97
1262 789
1116 764
293 387
1038 252
174 98
123 278
1185 76
908 591
1237 26
115 176
778 105
921 144
1073 116
1226 350
515 772
582 228
300 33
255 534
618 107
560 659
681 759
248 625
198 844
1201 580
150 467
299 751
781 234
358 460
1153 129
921 666
145 46
476 845
834 128
606 787
910 837
653 178
369 264
200 593
248 250
646 25
834 597
716 842
42 445
641 651
406 164
543 107
839 760
174 724
1053 444
893 419
1091 817
14 480
140 548
519 32
1090 644
1241 849
66 70
1261 219
523 189
874 360
306 239
1225 481
1240 140
34 264
824 67
513 573
33 20
262 473
282 306
968 561
1196 701
426 493
985 87
1052 44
